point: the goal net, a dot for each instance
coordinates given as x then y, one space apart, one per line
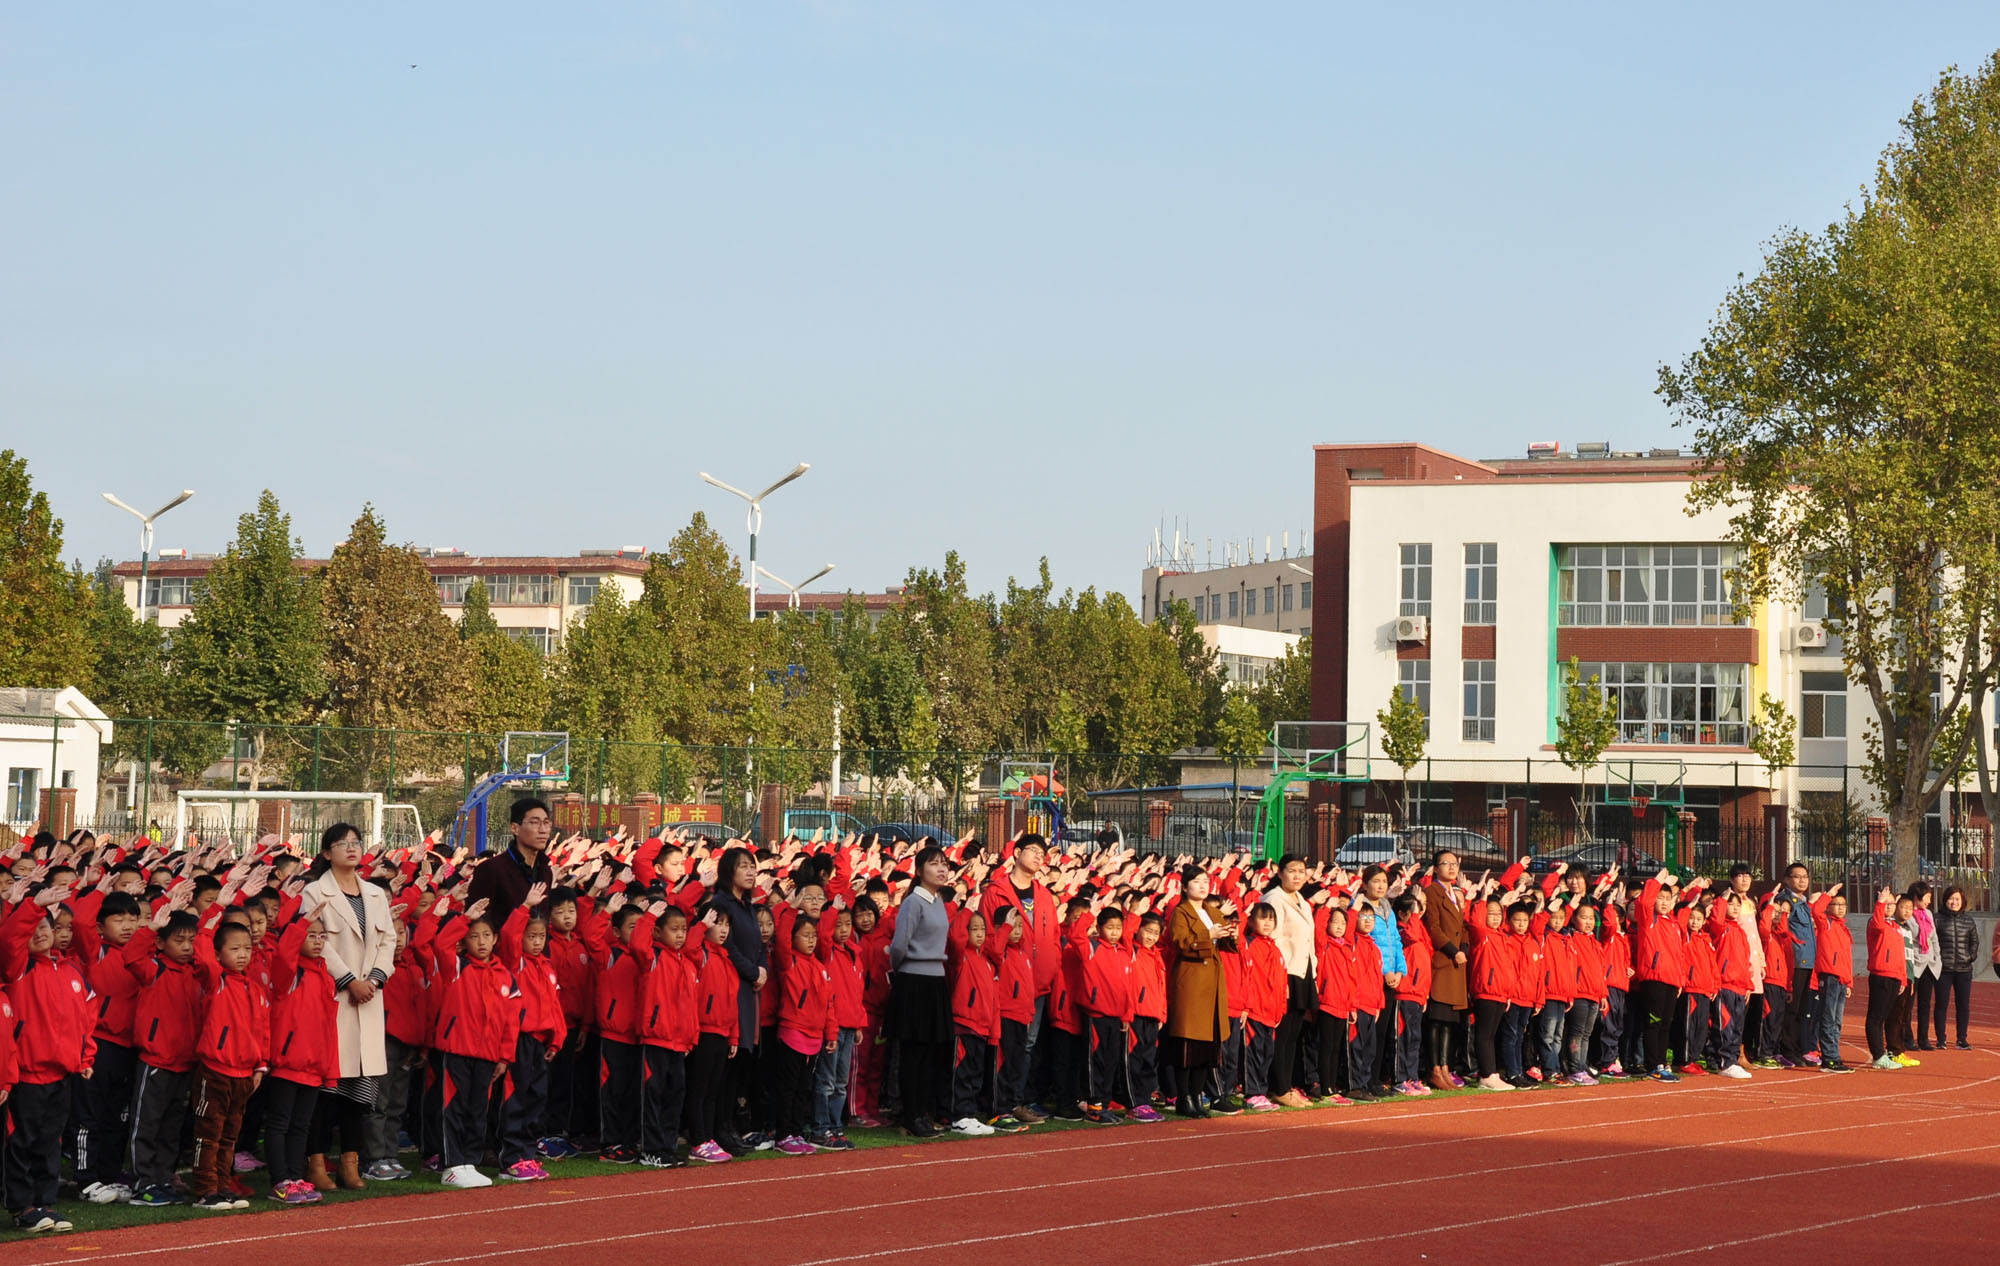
241 818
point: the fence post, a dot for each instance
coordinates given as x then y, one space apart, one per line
315 765
391 788
465 771
145 824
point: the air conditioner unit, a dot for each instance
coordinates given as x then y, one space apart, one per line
1809 635
1412 628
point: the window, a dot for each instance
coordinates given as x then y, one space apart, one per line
1235 601
1250 601
1286 593
1823 714
1414 676
1482 571
1215 608
1306 595
1479 687
451 590
1270 600
521 591
543 640
1660 585
172 591
1689 704
1416 561
583 590
22 788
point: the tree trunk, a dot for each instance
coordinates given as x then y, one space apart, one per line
1905 848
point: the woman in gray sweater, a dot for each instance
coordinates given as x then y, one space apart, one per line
919 1016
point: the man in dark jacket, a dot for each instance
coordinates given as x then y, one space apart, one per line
503 879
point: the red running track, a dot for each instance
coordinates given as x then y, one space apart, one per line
1786 1167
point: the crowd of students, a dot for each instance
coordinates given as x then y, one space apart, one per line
619 997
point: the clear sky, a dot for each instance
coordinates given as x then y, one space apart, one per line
1016 278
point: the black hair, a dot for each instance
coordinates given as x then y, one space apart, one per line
1076 903
236 915
206 883
725 870
337 833
1741 868
1263 910
1370 871
1189 872
224 928
180 921
1798 866
1107 914
1944 902
1917 892
1520 907
876 886
1032 839
561 895
868 904
1437 858
1145 919
623 913
925 856
673 912
519 811
804 920
1288 859
473 921
118 903
1406 904
129 868
806 874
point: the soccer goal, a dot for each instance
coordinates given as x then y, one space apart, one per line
243 817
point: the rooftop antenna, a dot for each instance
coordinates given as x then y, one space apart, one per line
1211 551
1285 544
1267 547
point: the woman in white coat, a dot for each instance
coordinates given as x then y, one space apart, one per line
360 955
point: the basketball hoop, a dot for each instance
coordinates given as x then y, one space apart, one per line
1640 804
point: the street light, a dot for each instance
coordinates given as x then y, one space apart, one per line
146 537
1303 571
756 521
792 603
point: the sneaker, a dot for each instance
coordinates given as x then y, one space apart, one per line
1964 1045
1835 1066
971 1126
236 1187
1027 1113
1693 1070
1614 1069
109 1193
758 1141
1582 1079
1228 1106
385 1171
1887 1064
1336 1100
866 1122
1812 1059
1258 1103
1495 1082
653 1160
710 1153
1765 1063
555 1148
465 1176
1534 1074
1146 1114
434 1163
923 1128
619 1154
158 1196
1664 1074
217 1203
35 1220
834 1142
279 1190
1907 1061
795 1146
1097 1114
303 1193
1007 1124
1457 1082
1736 1072
1292 1098
524 1171
1786 1061
246 1162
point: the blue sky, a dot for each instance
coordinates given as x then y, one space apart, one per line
1017 279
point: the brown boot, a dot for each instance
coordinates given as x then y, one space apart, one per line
350 1171
316 1172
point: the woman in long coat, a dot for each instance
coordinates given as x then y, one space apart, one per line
360 956
1197 992
1444 1014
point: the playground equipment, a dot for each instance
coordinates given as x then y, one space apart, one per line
1307 752
1035 784
235 815
1639 785
525 756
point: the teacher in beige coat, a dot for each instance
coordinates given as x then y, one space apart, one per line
360 955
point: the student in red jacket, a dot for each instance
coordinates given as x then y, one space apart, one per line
305 1053
1267 992
716 984
1016 974
975 1022
840 953
408 1009
1149 1016
1370 1001
616 994
1065 1029
871 1048
1589 982
1774 928
572 1110
1106 1001
1336 974
1660 969
1491 987
235 1051
478 1028
1888 972
1615 1032
806 1030
106 1108
1698 995
669 1027
524 940
1413 994
1734 970
165 1019
1833 964
53 1019
1557 992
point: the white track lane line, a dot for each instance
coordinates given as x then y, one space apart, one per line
1807 1229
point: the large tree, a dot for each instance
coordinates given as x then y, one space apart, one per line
1846 410
129 677
250 650
44 606
393 660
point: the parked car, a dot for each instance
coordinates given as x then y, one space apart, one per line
1598 856
715 832
801 823
1090 832
1358 851
891 833
1476 850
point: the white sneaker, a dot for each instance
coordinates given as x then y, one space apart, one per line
1495 1082
465 1176
1736 1072
971 1125
95 1193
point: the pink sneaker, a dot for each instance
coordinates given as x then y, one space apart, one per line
1411 1089
1457 1082
1147 1114
524 1171
711 1153
245 1163
796 1146
1615 1069
1337 1100
1260 1103
1582 1079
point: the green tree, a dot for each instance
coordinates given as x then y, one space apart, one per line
1844 409
475 615
129 678
1239 739
949 634
1405 730
1586 726
44 606
696 654
392 660
510 685
1286 691
250 650
1774 740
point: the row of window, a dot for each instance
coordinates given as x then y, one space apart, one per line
1476 714
174 591
520 590
1598 585
1276 598
1674 704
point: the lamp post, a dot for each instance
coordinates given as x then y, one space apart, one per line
756 523
146 538
792 602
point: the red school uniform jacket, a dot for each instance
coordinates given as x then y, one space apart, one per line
875 972
1591 978
1732 953
844 963
669 1013
1659 945
616 989
1418 952
542 1015
409 1002
1017 980
975 995
1337 971
305 1016
235 1038
1264 980
53 1013
1493 962
1617 952
1886 949
1529 985
716 985
570 955
1834 955
1558 966
167 1018
805 1004
1777 938
1107 981
10 1064
1704 974
479 1005
1066 1000
1149 983
117 993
